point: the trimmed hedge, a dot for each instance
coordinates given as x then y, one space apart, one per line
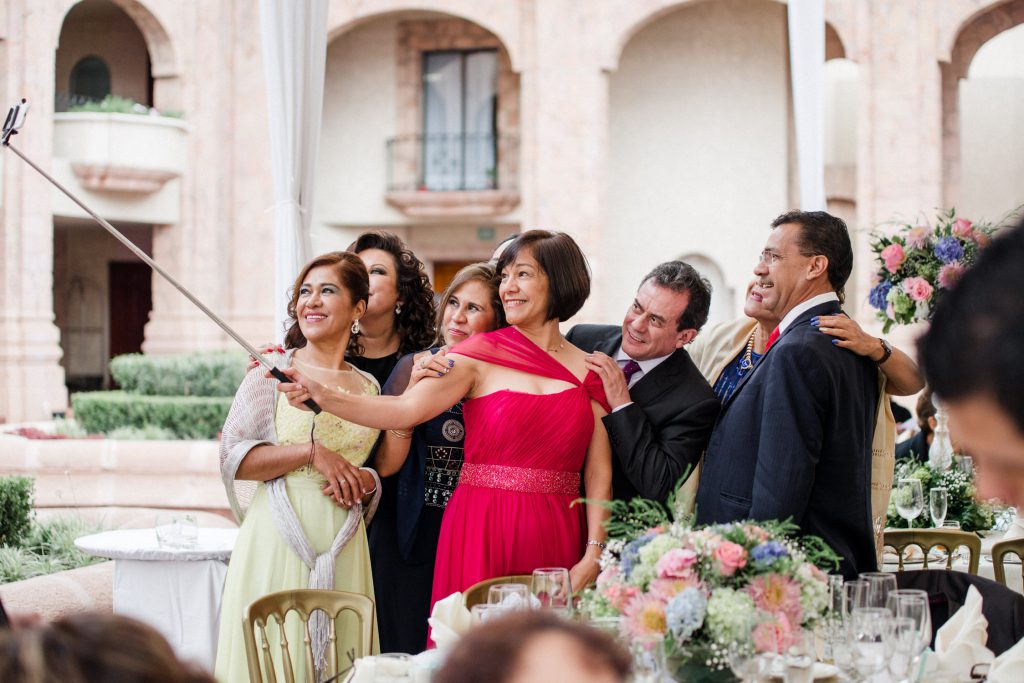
188 417
206 374
15 509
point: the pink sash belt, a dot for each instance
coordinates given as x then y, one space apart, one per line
520 479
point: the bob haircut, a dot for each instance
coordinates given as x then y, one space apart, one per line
353 277
562 261
474 272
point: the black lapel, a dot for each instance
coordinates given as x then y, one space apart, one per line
654 383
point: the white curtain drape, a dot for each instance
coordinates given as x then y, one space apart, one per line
294 54
807 66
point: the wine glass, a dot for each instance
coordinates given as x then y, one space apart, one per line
552 589
855 596
909 498
799 658
879 586
509 595
746 664
966 465
937 505
486 611
913 604
903 647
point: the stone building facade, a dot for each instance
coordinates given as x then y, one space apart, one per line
648 129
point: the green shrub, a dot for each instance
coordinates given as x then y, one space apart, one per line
208 374
145 433
114 104
187 417
15 509
49 547
69 428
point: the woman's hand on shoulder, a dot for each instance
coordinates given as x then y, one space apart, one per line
427 364
849 335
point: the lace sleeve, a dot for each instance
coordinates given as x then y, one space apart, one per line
250 423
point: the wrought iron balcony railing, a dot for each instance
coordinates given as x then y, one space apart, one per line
458 162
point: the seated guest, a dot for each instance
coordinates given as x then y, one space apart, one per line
302 472
972 358
916 447
535 647
662 408
92 647
794 437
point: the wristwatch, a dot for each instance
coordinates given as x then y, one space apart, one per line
886 352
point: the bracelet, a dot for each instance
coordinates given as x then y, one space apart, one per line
599 544
401 433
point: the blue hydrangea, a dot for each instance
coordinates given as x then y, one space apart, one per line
631 553
878 296
684 613
948 249
766 553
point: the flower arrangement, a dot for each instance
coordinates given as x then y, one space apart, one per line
961 506
702 593
918 263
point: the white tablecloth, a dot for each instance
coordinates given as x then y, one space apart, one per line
985 567
175 590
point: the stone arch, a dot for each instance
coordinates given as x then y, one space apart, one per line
962 43
165 67
503 23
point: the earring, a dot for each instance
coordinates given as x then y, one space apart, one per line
355 327
398 308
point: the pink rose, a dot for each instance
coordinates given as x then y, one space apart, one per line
676 563
962 228
918 288
730 557
893 257
774 635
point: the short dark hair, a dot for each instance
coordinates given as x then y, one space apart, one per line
352 276
491 651
562 261
973 346
415 324
680 277
822 234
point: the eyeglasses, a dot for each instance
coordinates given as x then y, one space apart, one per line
770 258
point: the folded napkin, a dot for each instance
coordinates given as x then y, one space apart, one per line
1016 529
1009 666
370 669
449 620
960 643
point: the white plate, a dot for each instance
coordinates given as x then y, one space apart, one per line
821 670
1007 559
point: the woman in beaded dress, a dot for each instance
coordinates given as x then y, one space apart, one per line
294 479
533 428
427 461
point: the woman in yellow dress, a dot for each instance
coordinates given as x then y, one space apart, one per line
294 480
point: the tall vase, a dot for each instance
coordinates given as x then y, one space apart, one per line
940 453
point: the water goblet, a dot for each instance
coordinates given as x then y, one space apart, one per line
903 646
552 589
909 499
746 664
799 658
486 611
855 596
913 604
870 629
879 585
937 505
509 595
966 465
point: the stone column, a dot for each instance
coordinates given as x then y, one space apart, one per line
565 131
31 378
198 251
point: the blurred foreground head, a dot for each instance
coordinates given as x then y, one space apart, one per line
535 647
973 357
92 647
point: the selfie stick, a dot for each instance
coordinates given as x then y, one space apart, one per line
15 119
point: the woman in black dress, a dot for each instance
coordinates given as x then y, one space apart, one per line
427 461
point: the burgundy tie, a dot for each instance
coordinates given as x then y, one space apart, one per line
629 369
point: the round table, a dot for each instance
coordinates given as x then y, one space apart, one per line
175 590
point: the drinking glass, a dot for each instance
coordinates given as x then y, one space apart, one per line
909 498
903 646
913 604
966 465
746 664
485 611
855 596
509 595
552 589
870 629
879 585
174 530
799 658
648 653
937 505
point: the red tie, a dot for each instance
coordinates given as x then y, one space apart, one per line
772 338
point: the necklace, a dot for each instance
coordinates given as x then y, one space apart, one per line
746 362
558 348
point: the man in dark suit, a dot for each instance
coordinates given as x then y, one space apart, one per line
662 407
794 439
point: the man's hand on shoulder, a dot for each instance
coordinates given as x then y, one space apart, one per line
615 388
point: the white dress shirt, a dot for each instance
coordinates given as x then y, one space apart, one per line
799 309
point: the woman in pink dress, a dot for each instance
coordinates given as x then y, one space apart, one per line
532 416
